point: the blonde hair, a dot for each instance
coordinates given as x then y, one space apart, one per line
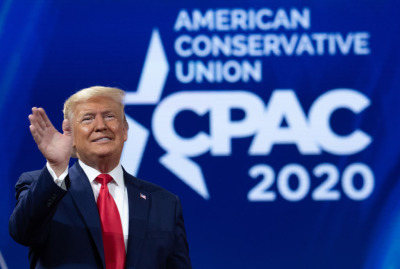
95 91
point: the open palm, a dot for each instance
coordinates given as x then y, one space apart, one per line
55 147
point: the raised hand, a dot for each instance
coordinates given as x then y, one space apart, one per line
55 147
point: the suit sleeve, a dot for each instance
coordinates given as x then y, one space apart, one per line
37 197
179 259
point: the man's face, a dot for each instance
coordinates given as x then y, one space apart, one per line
99 131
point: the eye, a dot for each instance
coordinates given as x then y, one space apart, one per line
86 119
109 116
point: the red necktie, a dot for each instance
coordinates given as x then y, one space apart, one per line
113 237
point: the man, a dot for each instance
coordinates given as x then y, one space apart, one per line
134 224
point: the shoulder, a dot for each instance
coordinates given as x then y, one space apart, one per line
28 177
149 187
38 182
32 174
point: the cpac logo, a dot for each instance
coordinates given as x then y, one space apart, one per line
311 134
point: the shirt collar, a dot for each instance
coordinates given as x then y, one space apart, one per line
117 173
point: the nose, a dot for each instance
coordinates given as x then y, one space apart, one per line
100 124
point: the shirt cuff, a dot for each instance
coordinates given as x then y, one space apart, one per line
60 181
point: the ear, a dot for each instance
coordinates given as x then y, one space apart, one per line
67 130
125 133
125 129
73 154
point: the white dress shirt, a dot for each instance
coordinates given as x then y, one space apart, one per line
116 187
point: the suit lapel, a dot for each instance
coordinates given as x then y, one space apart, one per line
82 193
139 205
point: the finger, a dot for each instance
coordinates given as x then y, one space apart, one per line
43 120
45 117
37 119
33 119
36 136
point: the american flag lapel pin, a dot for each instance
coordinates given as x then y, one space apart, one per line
143 196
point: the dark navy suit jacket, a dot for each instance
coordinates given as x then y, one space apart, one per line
63 230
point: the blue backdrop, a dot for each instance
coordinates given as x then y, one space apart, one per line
276 122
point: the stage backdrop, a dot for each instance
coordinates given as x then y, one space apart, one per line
276 122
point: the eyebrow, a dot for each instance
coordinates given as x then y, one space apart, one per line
87 113
90 113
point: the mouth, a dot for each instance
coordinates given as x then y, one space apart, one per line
102 139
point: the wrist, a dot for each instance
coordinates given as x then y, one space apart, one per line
58 168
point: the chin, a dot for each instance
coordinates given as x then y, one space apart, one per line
107 153
103 154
